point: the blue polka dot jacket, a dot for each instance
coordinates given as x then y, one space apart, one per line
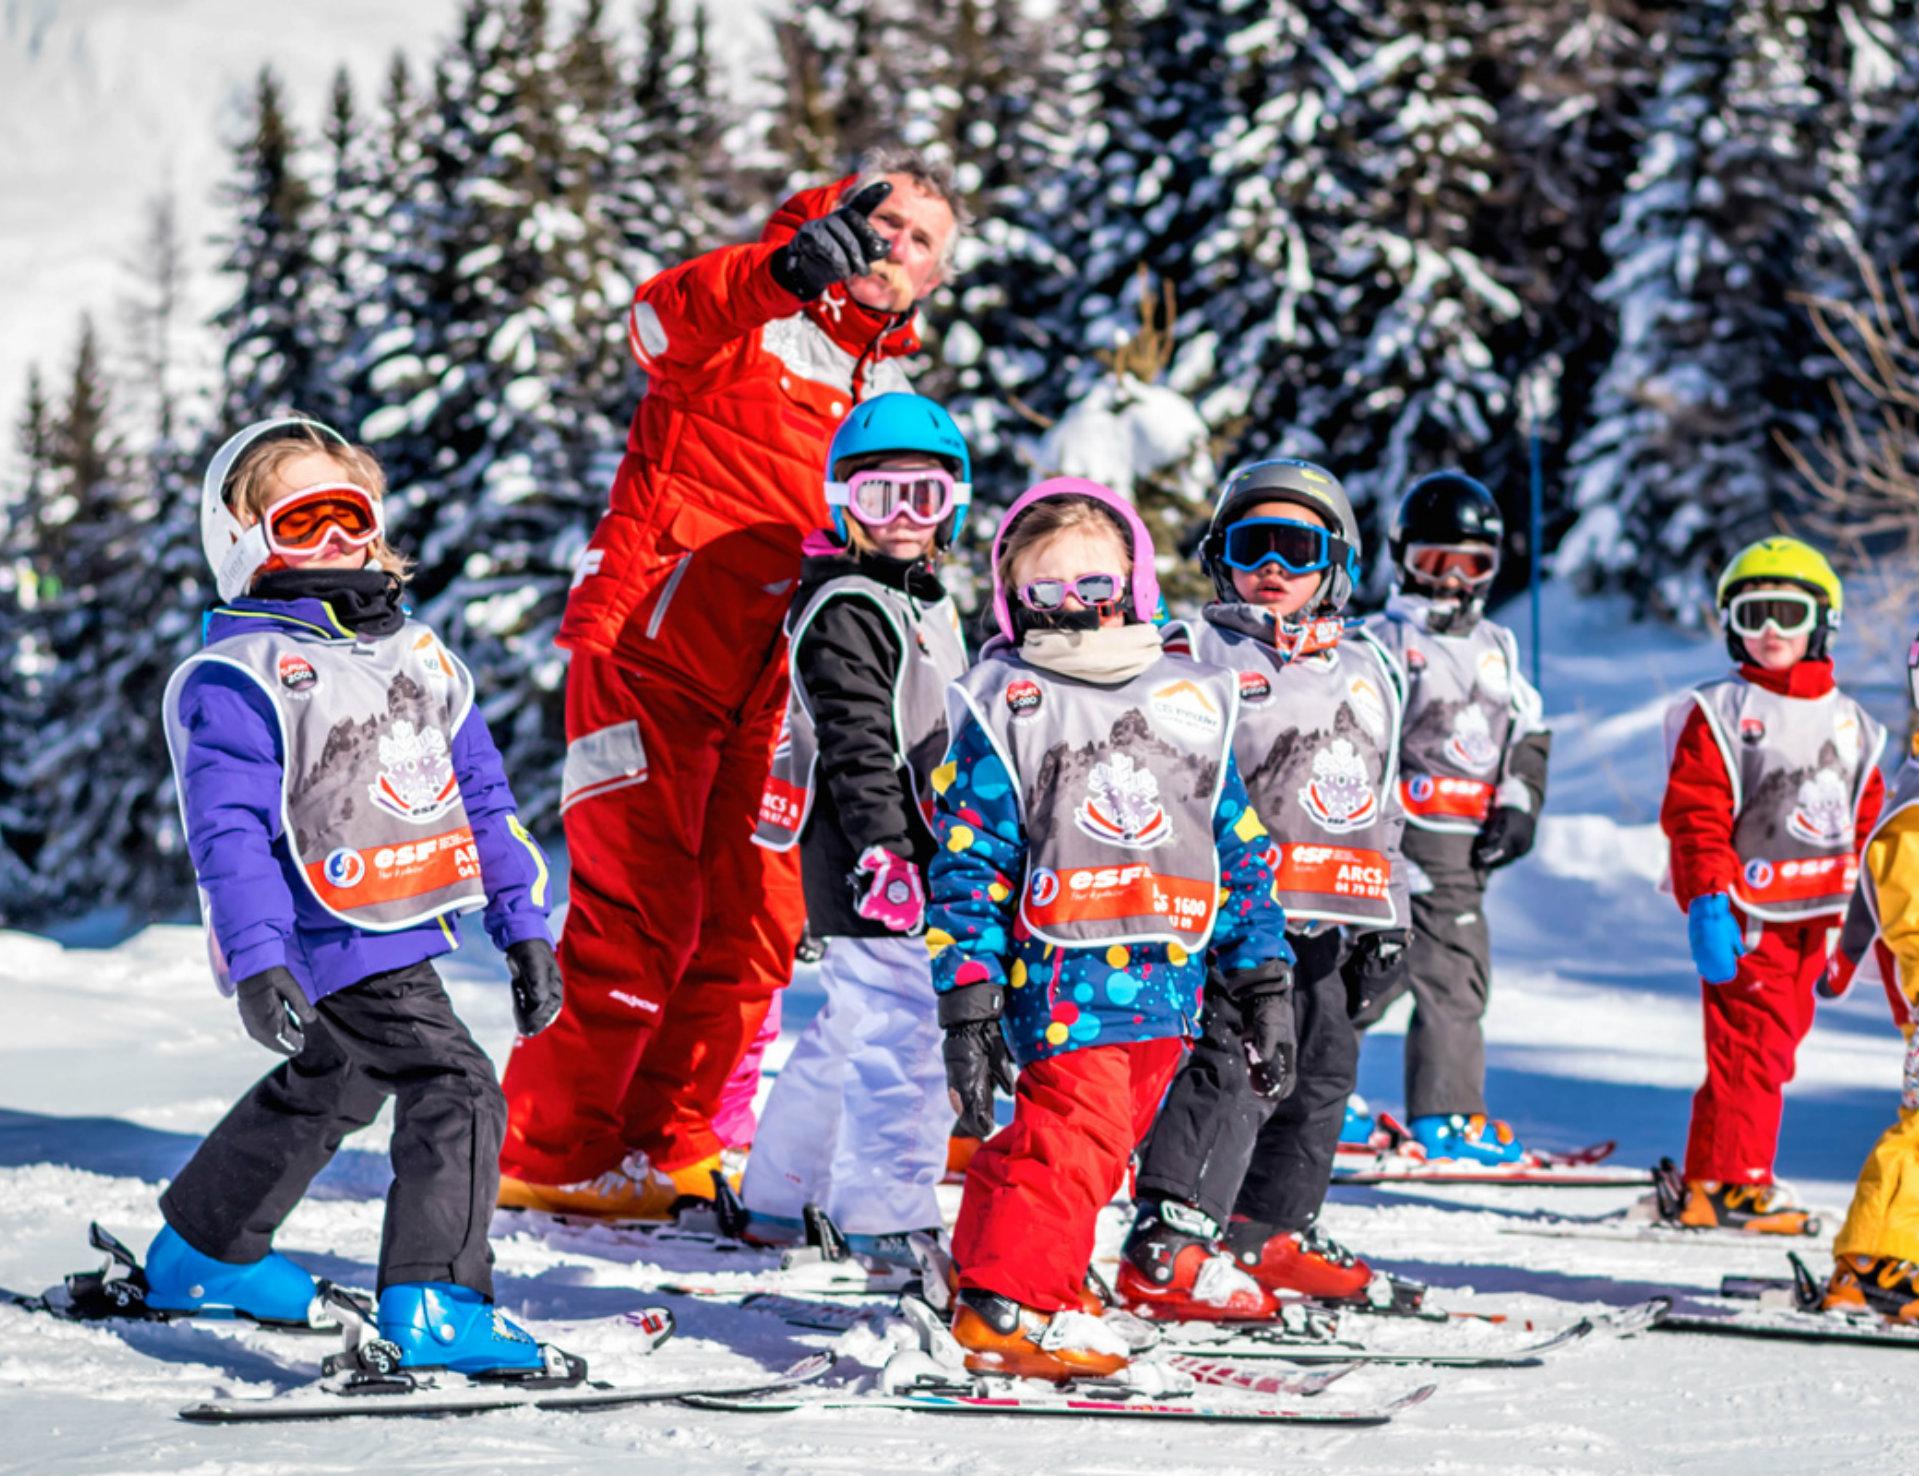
1065 999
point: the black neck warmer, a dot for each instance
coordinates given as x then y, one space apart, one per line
365 601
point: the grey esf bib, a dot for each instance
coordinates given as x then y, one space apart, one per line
1117 788
934 654
1318 747
371 808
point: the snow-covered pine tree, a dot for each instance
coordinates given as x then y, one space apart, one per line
533 297
1680 461
1414 384
23 584
1575 77
852 77
347 207
277 353
96 781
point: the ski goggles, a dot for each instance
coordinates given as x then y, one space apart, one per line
1789 612
301 525
1099 592
1298 548
1471 564
923 496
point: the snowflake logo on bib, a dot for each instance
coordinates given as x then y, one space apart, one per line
1122 806
416 779
1471 745
1823 814
1339 796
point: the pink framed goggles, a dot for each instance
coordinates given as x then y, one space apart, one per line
924 496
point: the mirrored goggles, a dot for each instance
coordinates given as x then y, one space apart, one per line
1789 612
1298 548
877 497
1095 591
302 523
1472 564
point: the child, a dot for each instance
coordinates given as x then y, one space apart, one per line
1772 788
1097 853
1318 744
1875 1259
343 802
1473 753
858 1119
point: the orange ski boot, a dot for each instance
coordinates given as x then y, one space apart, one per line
1759 1209
1300 1263
1881 1284
1172 1270
1003 1337
633 1191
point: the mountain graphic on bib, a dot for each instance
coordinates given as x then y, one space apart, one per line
1339 796
416 779
1822 812
1122 806
1471 745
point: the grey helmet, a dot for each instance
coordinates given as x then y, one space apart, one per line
1285 479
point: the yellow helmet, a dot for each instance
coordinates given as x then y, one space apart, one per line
1789 561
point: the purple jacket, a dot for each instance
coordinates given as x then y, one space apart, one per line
259 907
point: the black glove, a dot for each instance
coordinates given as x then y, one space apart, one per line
834 247
811 948
977 1059
275 1010
1504 838
1376 967
538 994
1264 999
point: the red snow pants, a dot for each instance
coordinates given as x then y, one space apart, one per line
1035 1188
1754 1024
679 932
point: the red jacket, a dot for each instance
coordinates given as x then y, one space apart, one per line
1697 814
690 570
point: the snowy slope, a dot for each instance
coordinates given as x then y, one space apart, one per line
113 1060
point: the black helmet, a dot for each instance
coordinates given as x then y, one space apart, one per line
1445 507
1285 479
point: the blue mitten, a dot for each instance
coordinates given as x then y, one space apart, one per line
1713 932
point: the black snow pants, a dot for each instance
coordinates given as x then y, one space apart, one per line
391 1035
1221 1146
1449 972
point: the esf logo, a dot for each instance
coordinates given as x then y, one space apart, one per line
1044 887
1420 787
1759 873
1109 878
344 868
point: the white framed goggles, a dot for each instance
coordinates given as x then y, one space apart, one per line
1788 612
301 525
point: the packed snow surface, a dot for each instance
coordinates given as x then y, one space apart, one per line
114 1060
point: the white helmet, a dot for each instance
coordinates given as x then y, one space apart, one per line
235 553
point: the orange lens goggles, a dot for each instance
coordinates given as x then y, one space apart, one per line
304 521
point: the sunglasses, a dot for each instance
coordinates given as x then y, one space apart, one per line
877 497
301 524
1298 548
1787 611
1096 591
1472 564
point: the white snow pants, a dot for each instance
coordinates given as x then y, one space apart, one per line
858 1117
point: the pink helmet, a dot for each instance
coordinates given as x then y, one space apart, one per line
1145 576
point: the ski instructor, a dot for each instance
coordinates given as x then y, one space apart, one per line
680 930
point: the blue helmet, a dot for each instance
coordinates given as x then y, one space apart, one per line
899 422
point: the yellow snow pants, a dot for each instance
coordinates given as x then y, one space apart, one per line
1884 1218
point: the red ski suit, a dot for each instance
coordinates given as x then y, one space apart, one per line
1754 1022
680 930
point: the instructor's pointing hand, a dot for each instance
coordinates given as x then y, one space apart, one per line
834 247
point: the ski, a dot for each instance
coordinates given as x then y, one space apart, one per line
1393 1156
1256 1343
451 1394
1068 1405
1794 1325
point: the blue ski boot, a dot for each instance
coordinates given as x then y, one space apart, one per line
1357 1130
436 1324
1474 1139
271 1290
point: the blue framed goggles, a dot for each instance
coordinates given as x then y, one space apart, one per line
1298 548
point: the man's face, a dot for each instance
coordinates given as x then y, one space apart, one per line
918 224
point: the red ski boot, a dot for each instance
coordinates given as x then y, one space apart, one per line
1301 1263
1172 1270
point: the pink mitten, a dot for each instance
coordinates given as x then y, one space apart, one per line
895 897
